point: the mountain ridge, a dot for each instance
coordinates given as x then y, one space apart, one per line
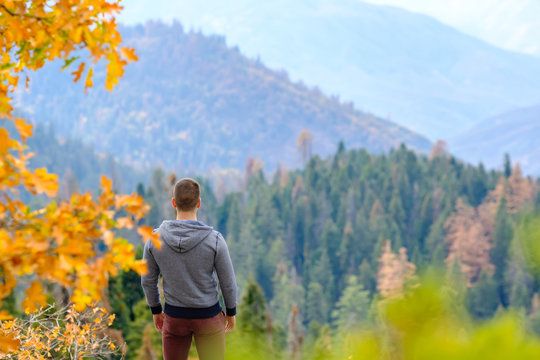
514 132
425 74
192 102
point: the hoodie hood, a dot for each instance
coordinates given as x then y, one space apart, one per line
182 236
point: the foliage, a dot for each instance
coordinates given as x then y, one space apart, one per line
62 333
304 233
428 322
352 308
71 243
143 341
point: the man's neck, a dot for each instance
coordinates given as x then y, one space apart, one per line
186 216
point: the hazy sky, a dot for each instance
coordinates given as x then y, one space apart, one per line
511 24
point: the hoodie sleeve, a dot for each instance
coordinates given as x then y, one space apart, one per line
225 272
149 281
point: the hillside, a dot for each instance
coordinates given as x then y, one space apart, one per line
306 234
426 75
193 103
78 166
516 132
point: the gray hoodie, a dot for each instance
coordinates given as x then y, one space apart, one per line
190 254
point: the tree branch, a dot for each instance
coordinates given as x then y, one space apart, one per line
14 14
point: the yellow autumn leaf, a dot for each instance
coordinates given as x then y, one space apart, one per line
24 129
8 343
146 233
80 300
34 295
125 222
129 54
140 267
88 83
45 182
4 136
4 315
78 73
106 184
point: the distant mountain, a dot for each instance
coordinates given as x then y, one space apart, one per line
515 132
191 102
423 74
78 166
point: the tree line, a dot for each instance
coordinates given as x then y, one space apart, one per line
315 248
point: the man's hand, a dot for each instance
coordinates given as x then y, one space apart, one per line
158 321
230 323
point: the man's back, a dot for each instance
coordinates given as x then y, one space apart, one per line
190 254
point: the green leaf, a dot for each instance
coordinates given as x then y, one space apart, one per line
68 62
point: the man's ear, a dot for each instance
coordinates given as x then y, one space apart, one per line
174 203
199 204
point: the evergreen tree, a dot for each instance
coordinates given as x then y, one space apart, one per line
482 298
322 273
352 308
317 308
252 310
499 253
366 276
520 287
142 338
507 165
288 292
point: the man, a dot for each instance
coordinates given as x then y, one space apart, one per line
190 254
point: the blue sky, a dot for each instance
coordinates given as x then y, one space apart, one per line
510 24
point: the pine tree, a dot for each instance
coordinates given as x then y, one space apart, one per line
317 307
366 276
499 253
288 292
507 165
323 274
142 339
353 307
520 287
252 310
482 298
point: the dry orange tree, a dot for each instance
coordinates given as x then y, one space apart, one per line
57 244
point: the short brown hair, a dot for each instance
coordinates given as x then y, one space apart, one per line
186 194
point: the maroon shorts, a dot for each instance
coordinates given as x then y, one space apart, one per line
209 337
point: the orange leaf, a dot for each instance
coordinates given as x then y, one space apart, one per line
125 222
45 182
140 267
4 315
147 233
8 343
80 300
78 73
88 83
106 184
34 294
23 128
4 143
129 54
